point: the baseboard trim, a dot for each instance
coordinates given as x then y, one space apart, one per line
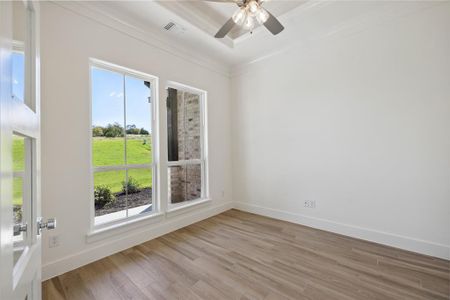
71 262
389 239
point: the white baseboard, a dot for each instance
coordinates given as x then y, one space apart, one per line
394 240
131 239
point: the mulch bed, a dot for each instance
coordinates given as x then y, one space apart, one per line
144 197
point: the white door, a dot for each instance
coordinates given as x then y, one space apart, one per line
20 241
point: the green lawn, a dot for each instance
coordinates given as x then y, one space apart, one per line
111 152
114 179
18 165
18 153
105 152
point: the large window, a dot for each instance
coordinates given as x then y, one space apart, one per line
122 142
187 163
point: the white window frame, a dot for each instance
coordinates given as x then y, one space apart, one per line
154 84
203 161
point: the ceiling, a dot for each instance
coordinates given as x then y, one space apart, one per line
217 13
197 22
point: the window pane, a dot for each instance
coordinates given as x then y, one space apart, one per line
184 183
18 57
18 217
139 120
18 153
193 182
18 75
109 194
19 212
183 125
139 191
108 145
191 143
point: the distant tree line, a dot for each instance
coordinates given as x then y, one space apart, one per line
116 130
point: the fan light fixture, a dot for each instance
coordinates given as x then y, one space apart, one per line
249 14
262 15
240 16
249 22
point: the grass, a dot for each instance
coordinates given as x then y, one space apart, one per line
105 152
111 152
114 179
18 165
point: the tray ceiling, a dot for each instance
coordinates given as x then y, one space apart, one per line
196 22
217 13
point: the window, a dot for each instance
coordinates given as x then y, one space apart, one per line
187 163
122 142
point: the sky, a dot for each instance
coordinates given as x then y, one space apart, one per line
18 70
108 100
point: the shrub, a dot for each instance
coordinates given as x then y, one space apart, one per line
103 195
143 131
131 129
97 131
113 130
17 214
132 186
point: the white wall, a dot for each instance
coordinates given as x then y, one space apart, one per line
361 125
67 42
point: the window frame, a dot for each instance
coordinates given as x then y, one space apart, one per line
203 161
154 166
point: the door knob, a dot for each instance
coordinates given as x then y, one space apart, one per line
19 228
50 224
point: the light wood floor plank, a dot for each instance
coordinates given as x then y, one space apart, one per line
237 255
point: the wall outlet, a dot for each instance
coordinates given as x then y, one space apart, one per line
310 204
53 241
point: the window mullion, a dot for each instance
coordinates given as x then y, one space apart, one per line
184 162
125 141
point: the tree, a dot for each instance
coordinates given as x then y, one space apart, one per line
143 132
113 130
97 131
131 129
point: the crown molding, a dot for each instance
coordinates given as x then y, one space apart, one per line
346 27
151 38
386 12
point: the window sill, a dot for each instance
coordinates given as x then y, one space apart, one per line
115 229
179 208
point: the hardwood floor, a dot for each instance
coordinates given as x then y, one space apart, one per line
237 255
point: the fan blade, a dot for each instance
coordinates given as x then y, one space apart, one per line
273 25
225 29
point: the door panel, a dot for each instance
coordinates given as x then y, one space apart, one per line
20 243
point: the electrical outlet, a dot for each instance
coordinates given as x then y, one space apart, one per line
53 241
310 204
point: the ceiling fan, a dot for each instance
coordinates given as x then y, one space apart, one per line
250 13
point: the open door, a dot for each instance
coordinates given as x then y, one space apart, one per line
20 227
